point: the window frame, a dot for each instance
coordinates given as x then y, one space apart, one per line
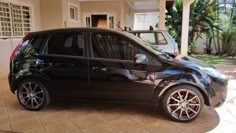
75 9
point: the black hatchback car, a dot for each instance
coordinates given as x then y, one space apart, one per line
102 64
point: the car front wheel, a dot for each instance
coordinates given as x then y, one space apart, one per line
32 95
183 103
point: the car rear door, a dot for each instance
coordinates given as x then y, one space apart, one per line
113 74
66 64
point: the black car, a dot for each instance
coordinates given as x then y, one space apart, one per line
102 64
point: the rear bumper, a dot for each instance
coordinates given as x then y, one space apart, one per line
220 93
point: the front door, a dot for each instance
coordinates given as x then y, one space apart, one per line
113 74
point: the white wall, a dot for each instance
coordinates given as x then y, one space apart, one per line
51 14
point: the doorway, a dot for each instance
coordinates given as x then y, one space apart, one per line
99 21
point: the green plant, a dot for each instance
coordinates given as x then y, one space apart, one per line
202 19
225 39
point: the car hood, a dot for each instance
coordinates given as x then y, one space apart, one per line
192 62
200 65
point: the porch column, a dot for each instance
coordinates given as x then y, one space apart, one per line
185 26
122 14
162 11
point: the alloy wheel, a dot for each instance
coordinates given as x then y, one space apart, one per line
183 104
31 95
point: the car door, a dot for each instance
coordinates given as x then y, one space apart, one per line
113 74
67 64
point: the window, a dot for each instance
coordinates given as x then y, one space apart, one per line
143 21
161 39
88 22
111 22
73 10
112 46
148 37
66 44
14 19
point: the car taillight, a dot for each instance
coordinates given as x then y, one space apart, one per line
17 47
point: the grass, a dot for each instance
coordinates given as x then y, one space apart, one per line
212 59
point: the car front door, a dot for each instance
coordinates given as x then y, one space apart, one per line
67 64
113 74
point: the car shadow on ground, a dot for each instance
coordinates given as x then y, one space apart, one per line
141 114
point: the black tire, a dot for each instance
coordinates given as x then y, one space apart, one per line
33 95
180 107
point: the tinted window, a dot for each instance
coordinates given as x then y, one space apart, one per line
107 45
35 45
66 44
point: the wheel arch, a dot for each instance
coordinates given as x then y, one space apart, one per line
171 82
43 79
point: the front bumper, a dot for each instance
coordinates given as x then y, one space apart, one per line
220 93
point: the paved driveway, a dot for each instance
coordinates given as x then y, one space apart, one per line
78 117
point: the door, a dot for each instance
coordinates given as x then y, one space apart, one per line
113 74
67 65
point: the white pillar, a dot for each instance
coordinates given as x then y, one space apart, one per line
162 11
185 26
122 14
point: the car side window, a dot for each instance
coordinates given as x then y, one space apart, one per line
66 44
148 37
161 39
112 46
34 44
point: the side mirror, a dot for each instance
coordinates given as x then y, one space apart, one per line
140 59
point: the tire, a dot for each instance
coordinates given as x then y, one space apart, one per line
33 95
182 103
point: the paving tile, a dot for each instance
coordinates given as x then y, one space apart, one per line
137 130
101 128
108 115
86 121
123 124
62 127
161 127
146 120
36 130
4 121
25 124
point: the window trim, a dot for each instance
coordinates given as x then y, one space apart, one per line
76 10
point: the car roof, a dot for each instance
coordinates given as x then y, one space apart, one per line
146 31
68 30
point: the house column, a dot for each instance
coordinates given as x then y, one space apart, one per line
162 11
185 26
122 14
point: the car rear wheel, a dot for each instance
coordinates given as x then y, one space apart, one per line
183 103
33 95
